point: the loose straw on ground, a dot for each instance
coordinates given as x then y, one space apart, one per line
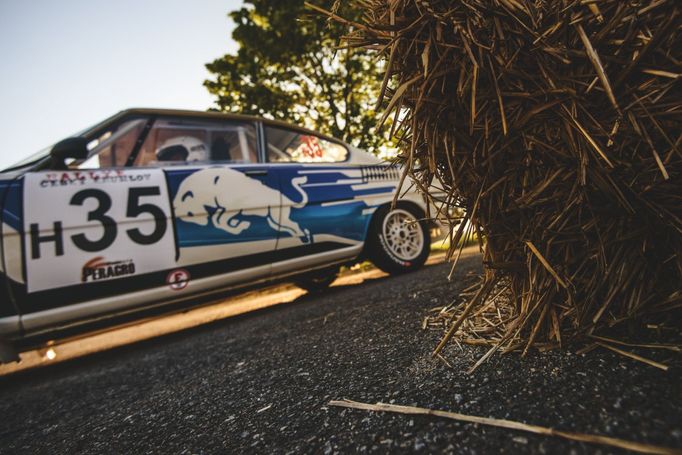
511 425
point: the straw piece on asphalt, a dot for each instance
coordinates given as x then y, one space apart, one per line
482 294
556 326
511 425
589 348
442 359
669 347
634 356
485 357
534 333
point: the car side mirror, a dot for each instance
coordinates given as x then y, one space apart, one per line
73 147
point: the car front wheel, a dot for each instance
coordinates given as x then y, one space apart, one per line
398 240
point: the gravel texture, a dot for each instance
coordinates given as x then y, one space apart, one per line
261 383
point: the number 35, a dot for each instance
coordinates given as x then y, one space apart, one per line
133 210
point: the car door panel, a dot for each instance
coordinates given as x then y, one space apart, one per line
225 216
334 209
87 232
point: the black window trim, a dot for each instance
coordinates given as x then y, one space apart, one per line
262 146
141 139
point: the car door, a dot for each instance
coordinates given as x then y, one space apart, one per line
325 209
225 204
84 231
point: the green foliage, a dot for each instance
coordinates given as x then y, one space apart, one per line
289 67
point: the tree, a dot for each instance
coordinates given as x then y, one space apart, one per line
289 67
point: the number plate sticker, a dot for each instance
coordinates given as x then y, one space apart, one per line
95 225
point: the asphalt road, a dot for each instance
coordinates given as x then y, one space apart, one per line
261 383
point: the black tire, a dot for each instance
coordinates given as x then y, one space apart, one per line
388 241
318 280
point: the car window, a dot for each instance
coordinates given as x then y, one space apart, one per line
285 145
112 147
172 141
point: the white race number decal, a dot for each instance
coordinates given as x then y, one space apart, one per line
90 226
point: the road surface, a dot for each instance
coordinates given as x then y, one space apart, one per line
261 382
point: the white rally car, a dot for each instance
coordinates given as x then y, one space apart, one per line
155 206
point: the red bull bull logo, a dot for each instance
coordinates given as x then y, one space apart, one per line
218 188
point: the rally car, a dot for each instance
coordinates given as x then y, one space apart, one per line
156 206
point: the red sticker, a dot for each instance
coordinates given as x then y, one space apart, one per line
178 279
311 147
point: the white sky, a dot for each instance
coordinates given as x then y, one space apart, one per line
67 64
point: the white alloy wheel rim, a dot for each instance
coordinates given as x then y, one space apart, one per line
403 235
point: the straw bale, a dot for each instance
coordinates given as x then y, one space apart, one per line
556 127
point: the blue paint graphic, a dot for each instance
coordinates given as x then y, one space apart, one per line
11 197
341 215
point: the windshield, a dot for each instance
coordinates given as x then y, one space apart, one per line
110 147
94 131
37 156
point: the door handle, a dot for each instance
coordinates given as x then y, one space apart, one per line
256 172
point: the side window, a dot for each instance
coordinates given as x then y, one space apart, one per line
286 146
182 141
111 148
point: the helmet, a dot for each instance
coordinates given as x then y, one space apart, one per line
182 148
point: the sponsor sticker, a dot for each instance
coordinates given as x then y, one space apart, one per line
98 269
114 222
178 279
97 176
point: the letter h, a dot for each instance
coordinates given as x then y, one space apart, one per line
37 239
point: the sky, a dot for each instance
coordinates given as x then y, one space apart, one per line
67 64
